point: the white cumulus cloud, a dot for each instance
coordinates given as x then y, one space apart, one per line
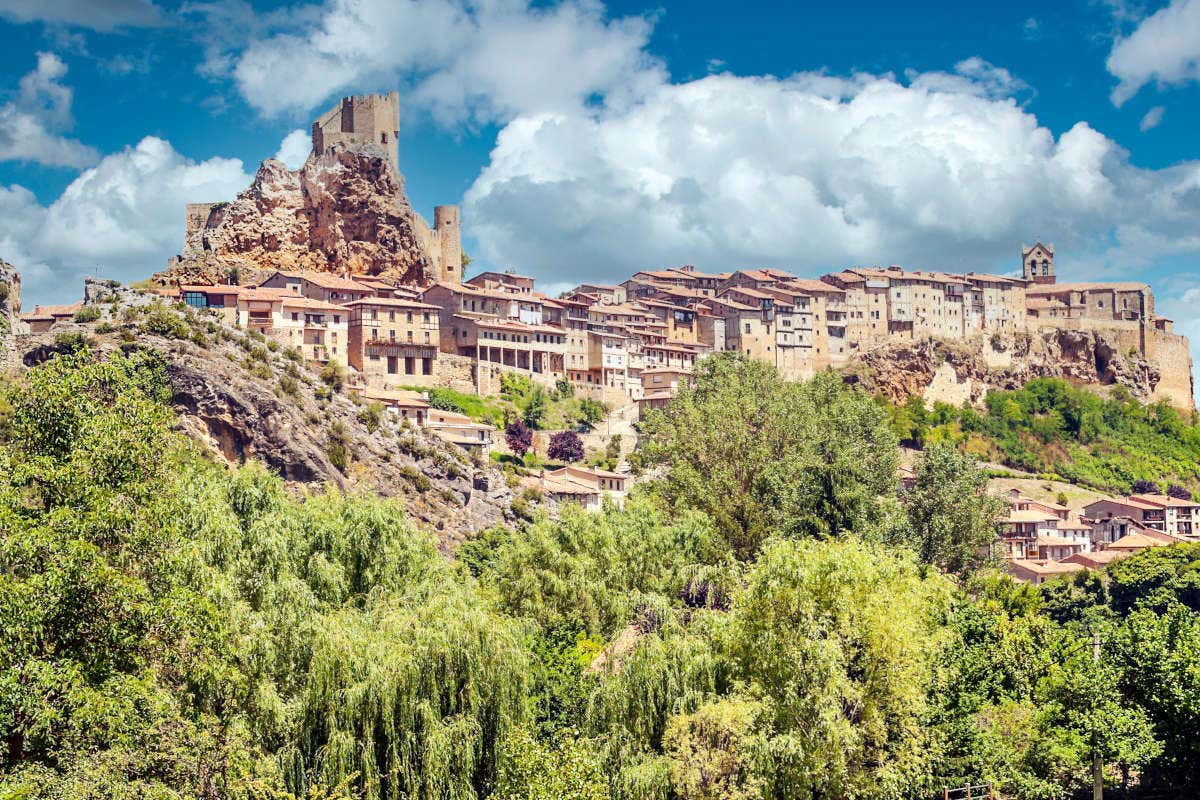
294 149
813 172
1164 48
31 123
122 218
462 60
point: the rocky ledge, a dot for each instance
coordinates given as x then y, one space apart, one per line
344 212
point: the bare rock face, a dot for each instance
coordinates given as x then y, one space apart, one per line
965 370
10 301
343 212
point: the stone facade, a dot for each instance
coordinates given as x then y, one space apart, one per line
1037 263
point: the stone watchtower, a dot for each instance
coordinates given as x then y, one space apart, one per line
363 118
449 242
1037 263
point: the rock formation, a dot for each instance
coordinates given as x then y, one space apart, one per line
963 371
227 391
344 212
10 300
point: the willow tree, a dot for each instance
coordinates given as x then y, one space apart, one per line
837 641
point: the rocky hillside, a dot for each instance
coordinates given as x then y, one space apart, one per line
242 398
344 211
959 371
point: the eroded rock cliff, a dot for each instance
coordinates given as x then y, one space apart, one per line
963 371
345 212
240 400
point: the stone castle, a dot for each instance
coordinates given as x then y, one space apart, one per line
368 126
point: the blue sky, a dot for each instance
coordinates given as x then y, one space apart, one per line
588 139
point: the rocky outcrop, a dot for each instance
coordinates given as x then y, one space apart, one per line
964 371
240 401
10 300
344 212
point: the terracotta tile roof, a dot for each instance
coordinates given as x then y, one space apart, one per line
1097 558
309 304
1165 501
392 302
1137 541
1047 567
398 397
1028 516
41 312
327 281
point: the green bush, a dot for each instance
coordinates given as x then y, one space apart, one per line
88 314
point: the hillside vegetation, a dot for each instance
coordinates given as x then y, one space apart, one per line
178 628
1051 427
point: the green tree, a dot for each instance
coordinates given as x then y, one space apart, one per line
952 518
838 640
712 751
758 454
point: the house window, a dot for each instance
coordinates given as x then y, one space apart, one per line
195 299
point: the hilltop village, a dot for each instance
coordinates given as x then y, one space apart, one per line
424 325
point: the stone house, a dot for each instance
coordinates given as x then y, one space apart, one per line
319 286
1156 512
394 341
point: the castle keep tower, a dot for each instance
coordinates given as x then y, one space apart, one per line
363 118
1037 263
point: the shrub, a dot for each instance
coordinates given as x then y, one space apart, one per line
289 385
565 446
87 314
1145 487
333 375
1178 492
339 447
372 416
590 411
417 478
260 371
164 322
519 437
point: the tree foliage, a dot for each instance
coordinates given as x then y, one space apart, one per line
180 629
565 446
759 455
951 516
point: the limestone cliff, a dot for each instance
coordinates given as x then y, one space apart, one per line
963 371
344 212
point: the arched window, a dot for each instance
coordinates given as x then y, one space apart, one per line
1045 267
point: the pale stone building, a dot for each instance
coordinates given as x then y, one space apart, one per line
394 341
1037 263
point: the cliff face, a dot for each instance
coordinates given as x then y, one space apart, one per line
10 300
240 401
963 371
343 212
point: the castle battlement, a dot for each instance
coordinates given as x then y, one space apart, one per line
373 118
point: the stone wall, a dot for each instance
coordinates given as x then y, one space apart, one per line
1171 354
